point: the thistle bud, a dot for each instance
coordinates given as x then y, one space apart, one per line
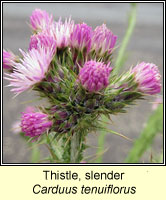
40 20
148 77
42 40
94 76
81 37
34 124
103 40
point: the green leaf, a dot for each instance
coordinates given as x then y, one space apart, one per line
35 154
101 141
152 128
118 134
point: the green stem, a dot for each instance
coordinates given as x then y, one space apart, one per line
101 141
153 126
75 145
54 158
122 52
35 154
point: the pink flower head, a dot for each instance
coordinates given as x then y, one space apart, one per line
40 20
148 78
8 59
103 40
31 69
81 37
34 124
94 76
61 32
41 39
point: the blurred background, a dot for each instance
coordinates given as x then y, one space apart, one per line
146 44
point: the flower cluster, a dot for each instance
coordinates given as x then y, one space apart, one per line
71 65
49 37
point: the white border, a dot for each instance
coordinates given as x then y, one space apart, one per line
100 164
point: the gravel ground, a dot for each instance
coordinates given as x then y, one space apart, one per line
146 45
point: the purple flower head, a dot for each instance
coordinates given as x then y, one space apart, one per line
40 20
61 32
31 69
148 78
103 40
40 40
81 37
16 126
94 76
8 59
33 124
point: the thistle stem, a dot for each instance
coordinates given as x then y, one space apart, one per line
75 145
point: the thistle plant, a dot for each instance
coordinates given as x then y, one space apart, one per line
71 66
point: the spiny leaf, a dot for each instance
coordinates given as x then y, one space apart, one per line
119 134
